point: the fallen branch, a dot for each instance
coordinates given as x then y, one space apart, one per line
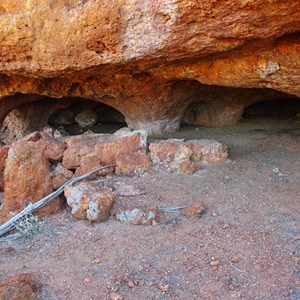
11 224
239 270
171 209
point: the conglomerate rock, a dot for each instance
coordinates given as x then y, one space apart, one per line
151 59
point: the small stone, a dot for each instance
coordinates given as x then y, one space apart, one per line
163 287
225 226
86 119
214 263
214 214
116 296
149 283
193 210
234 259
97 261
296 238
138 216
87 280
130 284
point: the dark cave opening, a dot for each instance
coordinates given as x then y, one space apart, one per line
274 109
67 116
84 115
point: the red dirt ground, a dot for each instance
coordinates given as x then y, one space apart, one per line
250 227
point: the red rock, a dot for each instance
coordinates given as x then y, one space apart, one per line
163 287
89 201
23 286
95 153
138 216
133 163
60 175
193 210
172 155
153 59
27 178
3 155
208 150
214 263
83 138
53 148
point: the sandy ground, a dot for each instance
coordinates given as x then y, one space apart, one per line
251 227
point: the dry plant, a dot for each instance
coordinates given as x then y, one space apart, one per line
29 225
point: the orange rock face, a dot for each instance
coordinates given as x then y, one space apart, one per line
27 176
151 60
22 286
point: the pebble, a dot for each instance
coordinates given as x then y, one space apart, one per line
215 263
234 259
130 284
163 287
87 280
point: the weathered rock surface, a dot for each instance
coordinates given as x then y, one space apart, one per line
133 163
208 150
23 286
60 175
151 60
27 176
172 155
177 156
138 216
3 155
99 150
194 210
90 201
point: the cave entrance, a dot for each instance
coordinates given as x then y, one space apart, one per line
273 109
84 115
67 116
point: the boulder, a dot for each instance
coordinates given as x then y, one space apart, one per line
172 155
27 175
100 151
133 163
23 286
89 201
60 175
208 150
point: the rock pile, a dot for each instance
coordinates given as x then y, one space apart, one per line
38 164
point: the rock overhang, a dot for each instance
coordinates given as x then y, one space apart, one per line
130 56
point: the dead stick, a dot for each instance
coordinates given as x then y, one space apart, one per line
11 224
